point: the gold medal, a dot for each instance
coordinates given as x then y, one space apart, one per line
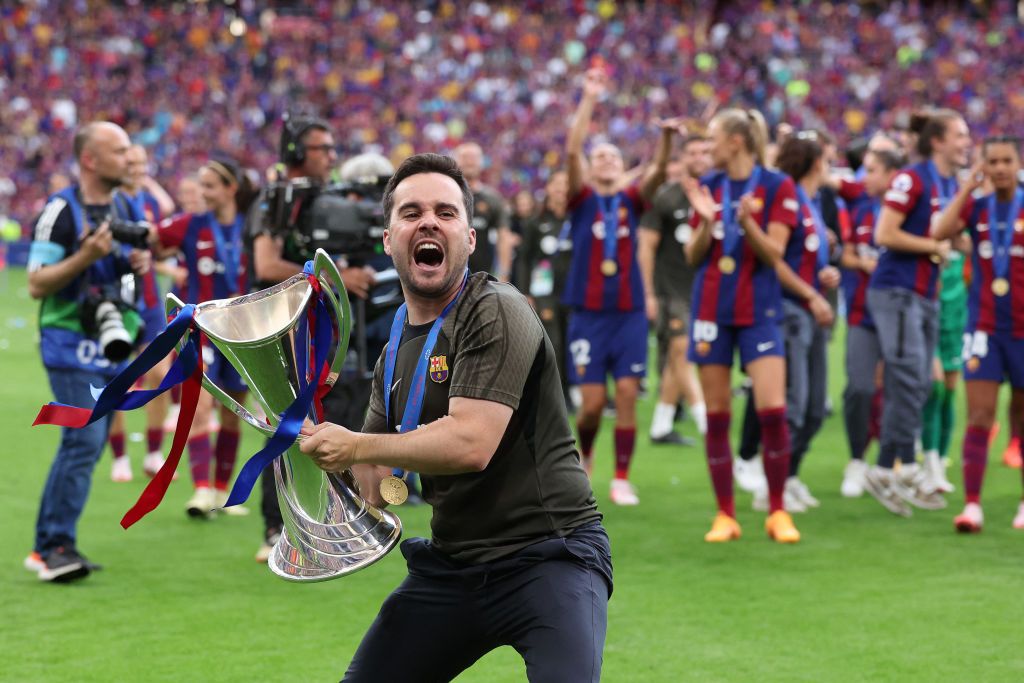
609 267
1000 286
727 264
394 490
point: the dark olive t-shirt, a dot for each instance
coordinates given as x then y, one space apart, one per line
492 347
489 215
670 217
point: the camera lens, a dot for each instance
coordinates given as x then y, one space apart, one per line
114 339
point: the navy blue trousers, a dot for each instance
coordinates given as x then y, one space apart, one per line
549 601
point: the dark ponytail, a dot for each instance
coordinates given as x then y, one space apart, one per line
798 154
928 125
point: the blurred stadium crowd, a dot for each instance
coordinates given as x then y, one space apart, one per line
188 78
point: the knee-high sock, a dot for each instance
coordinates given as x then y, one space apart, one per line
224 454
875 421
199 459
719 455
154 440
587 436
947 415
625 441
931 422
775 437
117 444
975 458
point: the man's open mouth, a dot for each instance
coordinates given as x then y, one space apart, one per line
428 254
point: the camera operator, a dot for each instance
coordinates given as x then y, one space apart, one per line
83 269
307 151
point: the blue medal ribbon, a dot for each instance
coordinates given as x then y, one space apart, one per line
227 250
819 226
610 218
1001 233
939 183
730 228
414 400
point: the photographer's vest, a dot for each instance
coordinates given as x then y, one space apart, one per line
62 341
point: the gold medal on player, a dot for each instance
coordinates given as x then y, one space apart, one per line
727 264
394 490
1000 286
609 267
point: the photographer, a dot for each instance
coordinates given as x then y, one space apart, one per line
280 248
83 270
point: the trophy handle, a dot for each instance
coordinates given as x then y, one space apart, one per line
172 305
325 270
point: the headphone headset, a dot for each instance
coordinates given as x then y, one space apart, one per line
293 149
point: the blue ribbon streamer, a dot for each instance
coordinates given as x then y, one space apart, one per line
116 395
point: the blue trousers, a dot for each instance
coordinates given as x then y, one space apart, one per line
67 486
549 601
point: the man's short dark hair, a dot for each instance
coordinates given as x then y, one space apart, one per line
427 163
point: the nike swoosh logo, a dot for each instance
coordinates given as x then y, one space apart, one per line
203 244
394 387
761 348
636 367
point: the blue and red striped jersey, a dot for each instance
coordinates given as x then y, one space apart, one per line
147 206
208 275
587 287
918 197
987 312
801 253
855 282
751 294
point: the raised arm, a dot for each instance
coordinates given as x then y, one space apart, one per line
595 83
654 176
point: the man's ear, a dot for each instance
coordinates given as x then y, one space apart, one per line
472 240
387 242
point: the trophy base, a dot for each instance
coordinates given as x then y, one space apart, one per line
332 559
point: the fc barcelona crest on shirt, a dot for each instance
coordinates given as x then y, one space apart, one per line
439 368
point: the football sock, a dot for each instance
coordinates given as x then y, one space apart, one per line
719 455
224 456
199 459
117 444
154 440
775 438
947 415
699 411
587 436
975 458
932 418
625 440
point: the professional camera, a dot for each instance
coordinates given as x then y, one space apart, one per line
132 233
314 216
100 314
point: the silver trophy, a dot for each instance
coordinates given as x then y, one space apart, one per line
330 530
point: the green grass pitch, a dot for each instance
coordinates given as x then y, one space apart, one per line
865 597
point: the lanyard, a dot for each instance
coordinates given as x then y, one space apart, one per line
819 226
730 228
1002 237
939 183
227 253
610 218
414 401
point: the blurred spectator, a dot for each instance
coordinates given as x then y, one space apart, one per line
186 79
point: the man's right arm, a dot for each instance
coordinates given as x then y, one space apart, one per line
53 260
268 263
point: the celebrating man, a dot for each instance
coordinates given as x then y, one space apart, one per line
518 555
